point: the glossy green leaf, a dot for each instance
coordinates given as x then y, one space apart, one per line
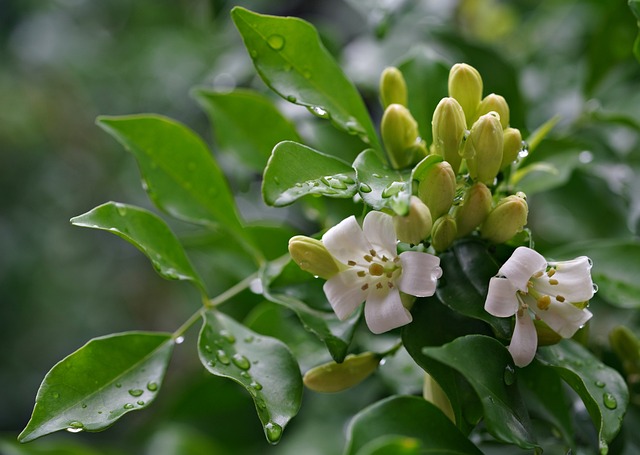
148 233
380 186
246 124
291 59
410 417
601 388
180 174
551 173
393 445
295 170
489 368
262 365
103 380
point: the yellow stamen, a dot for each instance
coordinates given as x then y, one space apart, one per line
362 273
372 252
544 302
538 274
368 258
365 287
551 272
351 263
376 269
560 299
553 282
379 286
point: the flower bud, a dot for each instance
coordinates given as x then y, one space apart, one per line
474 209
312 256
448 127
438 188
546 335
433 393
627 347
443 233
400 135
511 146
336 377
393 89
483 149
465 85
416 225
506 219
495 103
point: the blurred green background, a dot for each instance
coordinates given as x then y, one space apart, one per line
63 62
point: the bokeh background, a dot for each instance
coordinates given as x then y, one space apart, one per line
63 62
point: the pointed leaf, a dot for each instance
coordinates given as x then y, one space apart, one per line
262 365
295 170
410 417
99 383
290 58
148 233
602 389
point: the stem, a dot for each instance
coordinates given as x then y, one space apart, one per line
393 349
188 323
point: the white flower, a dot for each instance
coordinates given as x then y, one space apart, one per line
553 291
375 272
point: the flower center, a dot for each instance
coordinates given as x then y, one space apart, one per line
377 271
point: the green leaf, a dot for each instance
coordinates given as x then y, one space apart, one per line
262 365
179 172
380 186
290 58
148 233
602 389
489 368
295 170
246 124
103 380
551 173
409 417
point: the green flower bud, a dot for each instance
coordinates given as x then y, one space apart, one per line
336 377
627 347
438 188
474 209
448 127
465 85
495 103
416 225
443 233
483 149
400 135
506 219
546 335
393 89
312 256
512 144
433 393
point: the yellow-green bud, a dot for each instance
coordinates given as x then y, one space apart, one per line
495 103
393 89
336 377
546 335
416 225
512 144
433 393
312 256
438 188
400 135
483 149
465 85
506 219
448 127
474 209
443 233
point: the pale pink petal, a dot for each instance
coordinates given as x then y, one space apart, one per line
346 241
563 318
501 298
344 292
420 273
573 280
379 231
383 311
521 266
524 341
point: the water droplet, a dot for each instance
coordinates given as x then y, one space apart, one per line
140 403
128 406
524 151
249 339
364 188
585 157
75 427
260 403
595 288
292 98
135 392
600 384
222 357
376 175
276 42
152 386
180 340
256 385
345 178
245 375
253 53
118 385
208 348
56 395
318 111
241 361
276 180
228 336
509 375
122 210
393 189
211 363
84 405
273 431
609 401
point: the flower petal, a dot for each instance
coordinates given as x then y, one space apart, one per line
344 292
346 241
524 341
420 273
521 266
384 311
573 280
501 298
379 231
563 318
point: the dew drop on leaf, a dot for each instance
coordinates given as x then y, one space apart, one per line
75 427
135 392
600 384
208 348
122 210
241 361
140 403
256 385
179 340
152 386
509 375
276 42
274 432
118 385
128 406
253 53
292 98
364 188
56 395
222 357
609 401
228 336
